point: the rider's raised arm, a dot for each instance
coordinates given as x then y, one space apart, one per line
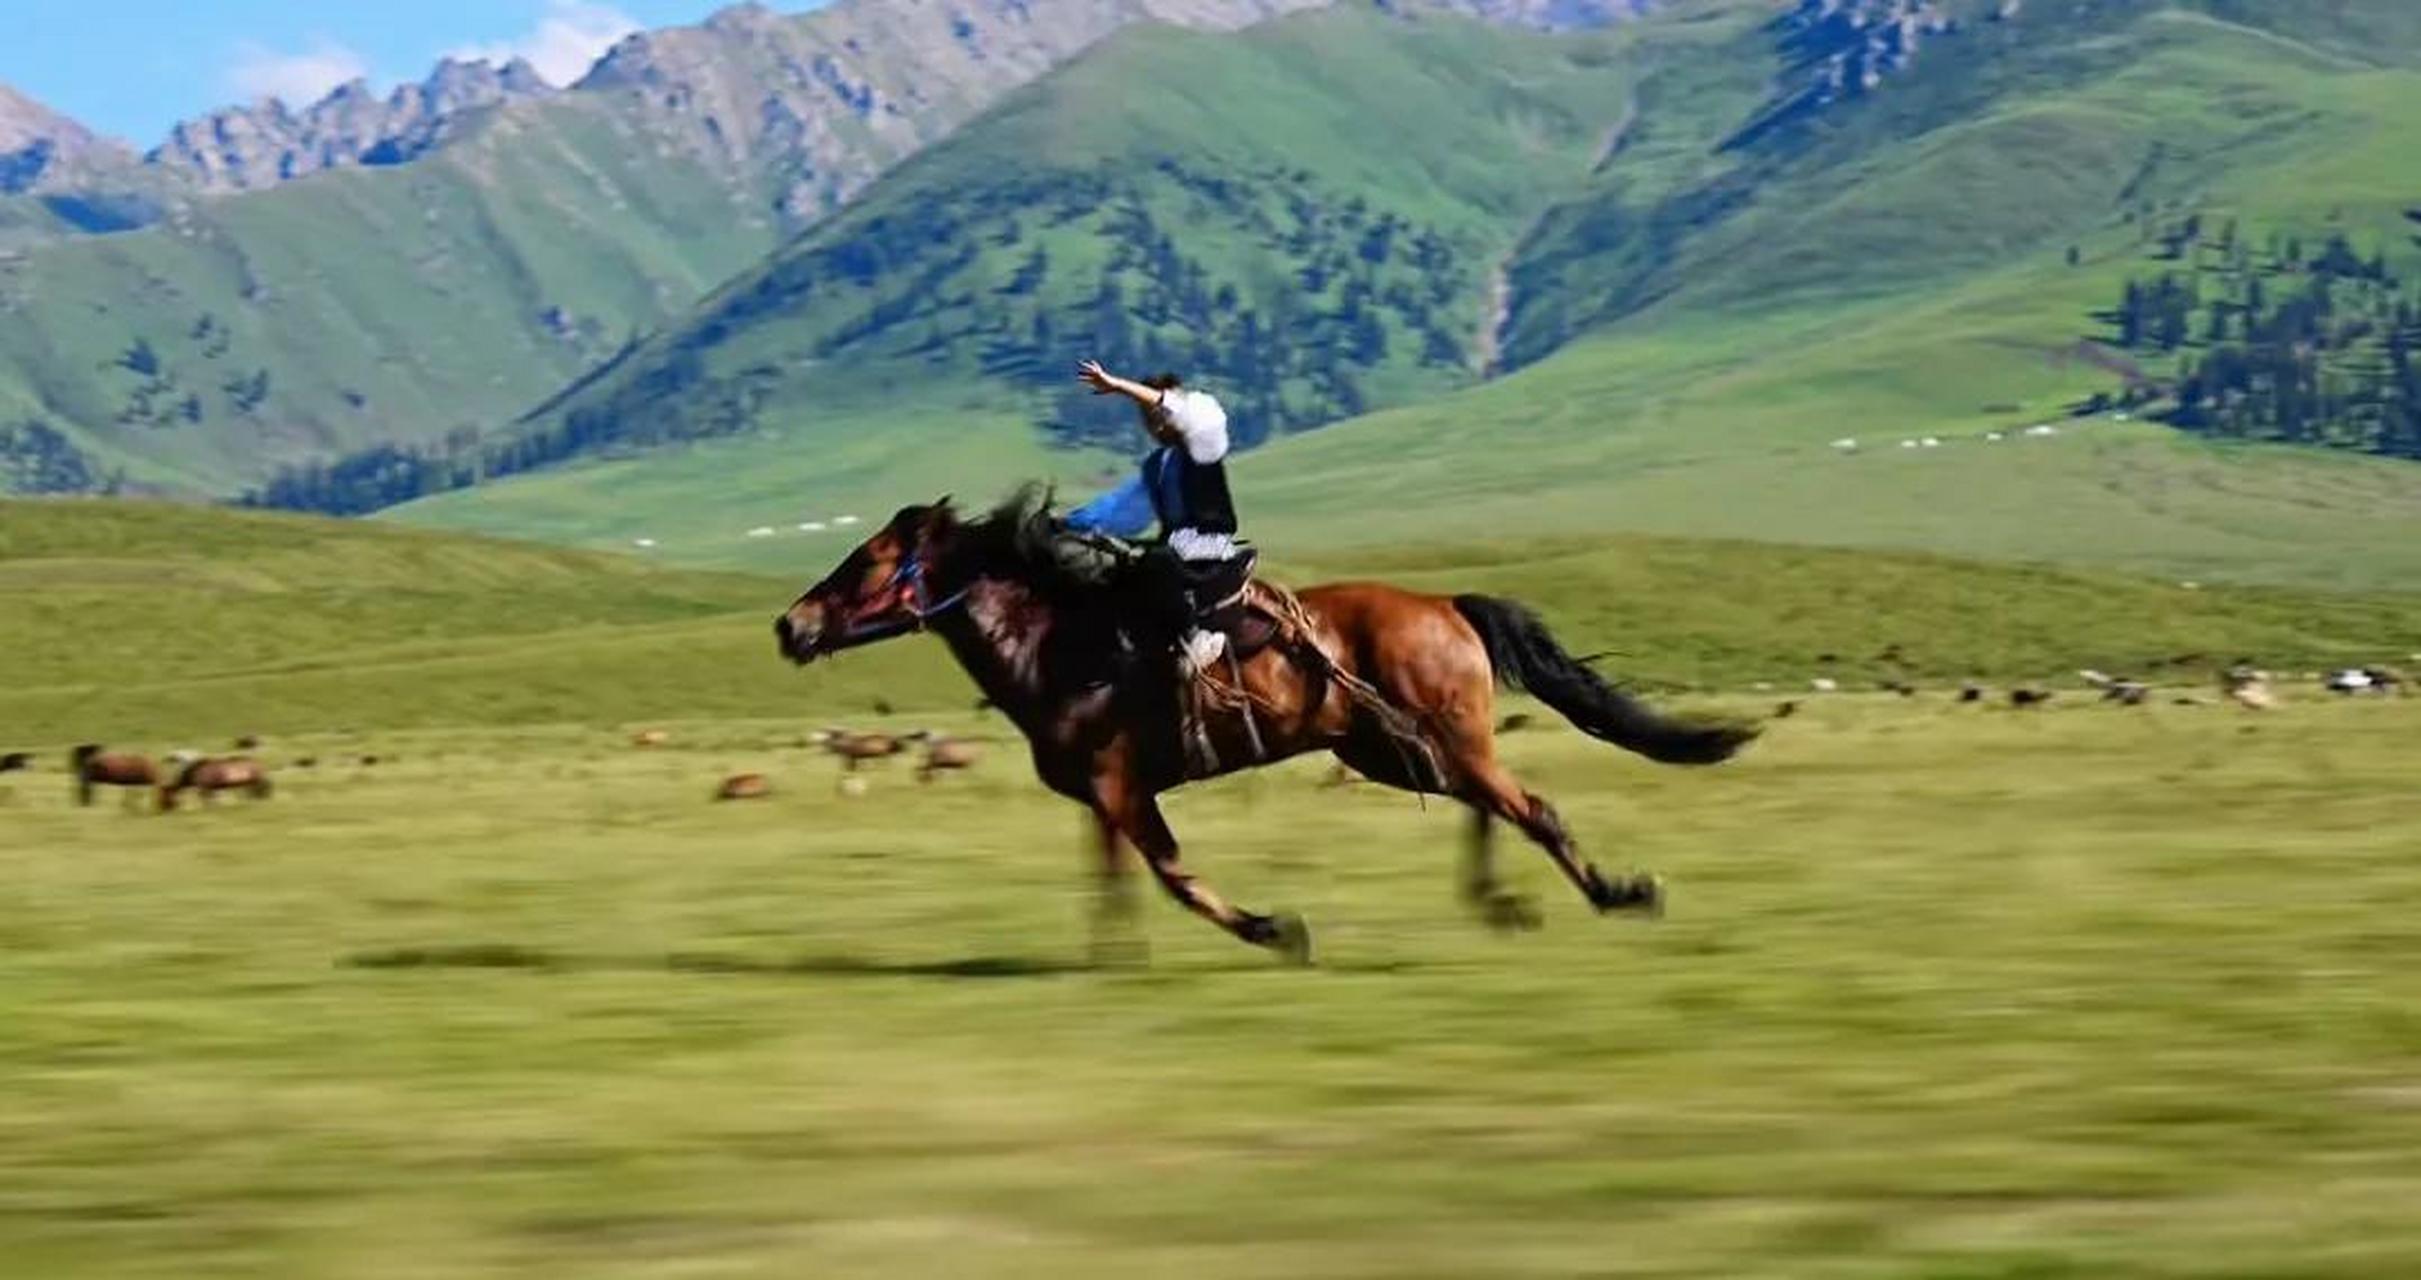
1103 382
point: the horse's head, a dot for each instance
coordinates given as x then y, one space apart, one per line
879 590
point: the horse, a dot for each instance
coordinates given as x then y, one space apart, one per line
744 786
213 774
945 755
855 748
1398 685
90 765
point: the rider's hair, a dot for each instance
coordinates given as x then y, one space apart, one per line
1164 382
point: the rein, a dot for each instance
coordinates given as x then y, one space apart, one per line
908 586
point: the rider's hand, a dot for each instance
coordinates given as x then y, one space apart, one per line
1093 375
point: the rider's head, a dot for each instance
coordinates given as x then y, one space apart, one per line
1155 422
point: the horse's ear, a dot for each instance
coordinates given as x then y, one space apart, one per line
942 503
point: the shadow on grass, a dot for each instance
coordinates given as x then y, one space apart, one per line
505 955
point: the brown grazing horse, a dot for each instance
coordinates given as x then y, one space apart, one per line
1103 719
91 766
744 786
214 774
855 748
945 755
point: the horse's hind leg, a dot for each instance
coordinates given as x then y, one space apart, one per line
1500 907
1491 790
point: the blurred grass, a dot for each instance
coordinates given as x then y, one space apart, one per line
1945 992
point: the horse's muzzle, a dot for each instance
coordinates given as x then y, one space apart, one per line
797 643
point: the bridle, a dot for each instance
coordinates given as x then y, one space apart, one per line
908 587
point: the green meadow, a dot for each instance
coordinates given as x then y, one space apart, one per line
1944 991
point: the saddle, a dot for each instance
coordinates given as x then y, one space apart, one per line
1231 601
1255 616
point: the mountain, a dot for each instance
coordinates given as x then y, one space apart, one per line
41 149
1682 315
1242 205
453 253
246 148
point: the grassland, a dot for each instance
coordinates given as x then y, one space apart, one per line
134 620
1944 992
163 624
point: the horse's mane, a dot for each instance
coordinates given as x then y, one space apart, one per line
1024 538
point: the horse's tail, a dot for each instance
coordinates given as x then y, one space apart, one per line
1526 657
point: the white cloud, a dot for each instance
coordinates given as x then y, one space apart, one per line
300 79
564 44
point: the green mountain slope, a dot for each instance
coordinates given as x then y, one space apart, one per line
415 286
1709 407
1307 214
1714 304
362 305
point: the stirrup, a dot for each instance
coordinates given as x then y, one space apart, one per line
1200 649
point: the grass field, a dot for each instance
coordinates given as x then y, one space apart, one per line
1944 992
181 626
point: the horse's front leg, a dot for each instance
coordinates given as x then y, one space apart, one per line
1115 940
1136 814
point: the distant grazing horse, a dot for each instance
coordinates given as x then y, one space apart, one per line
16 762
91 766
1399 685
946 755
214 774
744 786
856 748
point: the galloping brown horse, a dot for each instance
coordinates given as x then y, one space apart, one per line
1103 719
215 774
93 766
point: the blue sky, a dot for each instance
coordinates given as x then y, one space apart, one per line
134 67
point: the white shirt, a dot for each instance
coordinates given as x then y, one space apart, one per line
1198 420
1201 427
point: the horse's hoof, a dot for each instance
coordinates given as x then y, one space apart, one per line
1290 938
1509 913
1643 893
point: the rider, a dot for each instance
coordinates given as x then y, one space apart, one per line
1183 484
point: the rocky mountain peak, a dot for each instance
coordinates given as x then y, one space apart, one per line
743 17
268 142
41 148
